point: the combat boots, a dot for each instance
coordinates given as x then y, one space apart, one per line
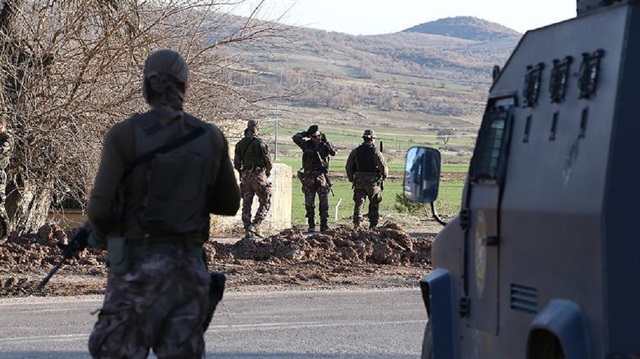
323 225
247 233
312 225
255 229
357 226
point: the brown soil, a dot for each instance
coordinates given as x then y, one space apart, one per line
387 256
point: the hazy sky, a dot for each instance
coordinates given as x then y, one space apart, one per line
368 17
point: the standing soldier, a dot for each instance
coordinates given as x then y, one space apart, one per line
161 175
316 152
6 145
367 170
253 162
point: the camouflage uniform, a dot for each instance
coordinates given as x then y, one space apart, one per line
158 288
316 152
366 169
6 145
159 305
254 164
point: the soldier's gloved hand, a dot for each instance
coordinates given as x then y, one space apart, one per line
312 129
323 137
79 241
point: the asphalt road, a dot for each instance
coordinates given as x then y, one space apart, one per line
289 324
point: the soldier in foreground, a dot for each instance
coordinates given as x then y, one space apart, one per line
366 169
164 171
6 145
316 152
254 164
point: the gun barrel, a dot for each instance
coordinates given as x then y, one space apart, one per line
53 271
76 244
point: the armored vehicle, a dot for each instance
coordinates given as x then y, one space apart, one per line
543 259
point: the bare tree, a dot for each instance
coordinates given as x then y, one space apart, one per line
73 68
444 135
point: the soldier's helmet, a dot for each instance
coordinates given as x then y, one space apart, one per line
369 134
252 124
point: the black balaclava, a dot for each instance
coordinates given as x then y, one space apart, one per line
165 78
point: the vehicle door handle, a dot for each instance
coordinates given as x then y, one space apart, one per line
490 241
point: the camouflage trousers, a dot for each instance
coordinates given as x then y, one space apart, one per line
160 304
367 188
312 183
255 183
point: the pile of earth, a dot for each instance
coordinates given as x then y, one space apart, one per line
386 256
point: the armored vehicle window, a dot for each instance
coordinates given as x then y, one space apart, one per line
491 138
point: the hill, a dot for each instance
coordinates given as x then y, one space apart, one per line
414 78
407 85
465 27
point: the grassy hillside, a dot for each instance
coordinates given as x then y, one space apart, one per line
413 79
408 86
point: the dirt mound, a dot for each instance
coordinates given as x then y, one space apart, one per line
288 258
388 244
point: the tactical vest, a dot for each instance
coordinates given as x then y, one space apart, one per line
176 200
365 158
311 156
251 148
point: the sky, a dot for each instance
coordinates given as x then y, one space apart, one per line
372 17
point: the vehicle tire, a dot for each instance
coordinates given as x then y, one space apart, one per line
427 343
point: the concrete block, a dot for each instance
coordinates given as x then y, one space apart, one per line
279 215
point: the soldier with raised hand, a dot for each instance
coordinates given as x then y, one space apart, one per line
164 172
366 169
316 153
6 146
253 162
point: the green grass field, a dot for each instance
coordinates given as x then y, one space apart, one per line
396 142
396 167
448 202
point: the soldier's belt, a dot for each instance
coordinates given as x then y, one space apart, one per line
168 248
367 175
254 169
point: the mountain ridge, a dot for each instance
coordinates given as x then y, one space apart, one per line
465 27
408 78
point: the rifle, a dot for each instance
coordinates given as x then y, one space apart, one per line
380 179
325 172
76 244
